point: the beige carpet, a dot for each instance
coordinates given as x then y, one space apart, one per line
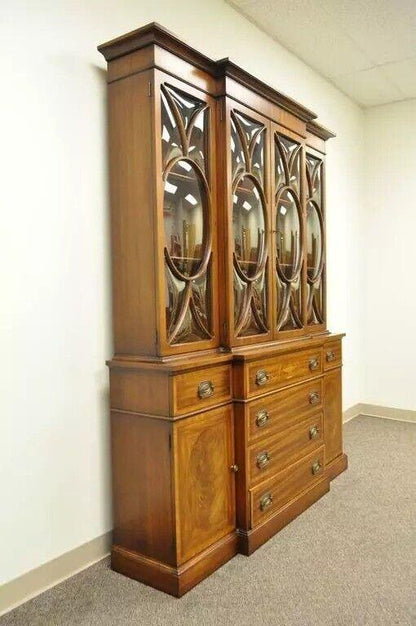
349 560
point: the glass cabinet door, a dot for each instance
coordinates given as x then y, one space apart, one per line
249 225
288 233
315 241
186 216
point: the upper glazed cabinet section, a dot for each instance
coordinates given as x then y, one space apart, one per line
217 194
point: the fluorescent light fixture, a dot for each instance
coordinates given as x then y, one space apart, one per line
235 199
232 145
247 205
165 134
185 165
283 210
169 187
256 193
191 199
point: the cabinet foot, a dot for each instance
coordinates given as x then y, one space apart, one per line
337 466
175 581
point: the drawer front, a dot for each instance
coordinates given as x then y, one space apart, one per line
274 454
332 354
199 389
270 496
283 409
275 372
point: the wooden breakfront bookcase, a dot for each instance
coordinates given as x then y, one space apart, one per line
225 383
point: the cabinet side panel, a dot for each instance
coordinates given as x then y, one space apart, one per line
142 481
132 210
333 414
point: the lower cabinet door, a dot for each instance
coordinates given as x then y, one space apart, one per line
333 414
204 481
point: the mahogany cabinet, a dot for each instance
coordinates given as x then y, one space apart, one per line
225 382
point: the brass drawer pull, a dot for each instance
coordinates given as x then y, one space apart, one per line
263 459
205 389
265 501
262 417
262 377
234 468
316 467
313 364
314 397
330 356
313 432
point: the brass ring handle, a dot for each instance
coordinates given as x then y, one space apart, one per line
262 377
205 389
262 417
316 467
265 501
313 364
263 459
234 468
313 432
330 356
314 397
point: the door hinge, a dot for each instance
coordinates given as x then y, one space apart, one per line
149 89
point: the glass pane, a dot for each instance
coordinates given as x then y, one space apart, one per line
314 175
289 305
248 225
198 140
250 317
314 240
287 163
238 163
183 217
196 321
171 139
288 234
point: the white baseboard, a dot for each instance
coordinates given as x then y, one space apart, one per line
375 410
38 580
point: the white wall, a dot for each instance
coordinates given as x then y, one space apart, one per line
389 348
55 253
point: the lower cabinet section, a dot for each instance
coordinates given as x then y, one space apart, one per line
204 481
190 490
174 497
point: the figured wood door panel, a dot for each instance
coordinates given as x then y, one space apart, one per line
333 414
204 481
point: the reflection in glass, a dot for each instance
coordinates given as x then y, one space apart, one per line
314 240
254 320
183 217
189 330
288 243
248 225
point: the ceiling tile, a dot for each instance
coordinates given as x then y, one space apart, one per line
403 75
369 87
385 30
317 41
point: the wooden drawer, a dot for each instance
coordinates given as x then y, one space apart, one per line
199 389
269 374
332 354
270 496
283 409
274 454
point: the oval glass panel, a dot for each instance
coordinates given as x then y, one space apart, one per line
288 235
314 240
248 225
183 215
